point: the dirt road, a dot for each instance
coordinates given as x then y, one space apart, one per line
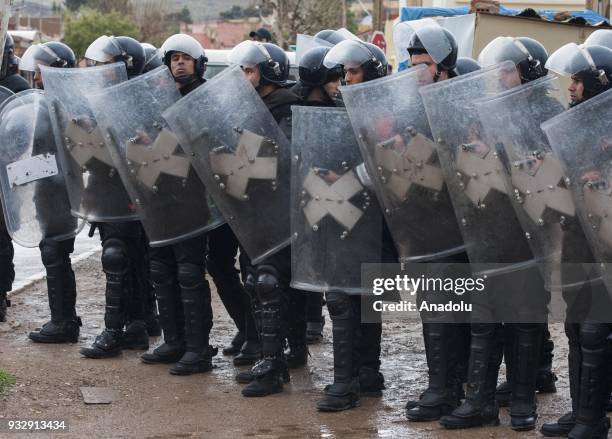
152 403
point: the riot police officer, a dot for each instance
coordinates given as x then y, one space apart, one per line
445 342
317 86
589 68
61 284
529 56
185 261
356 344
124 244
14 82
275 304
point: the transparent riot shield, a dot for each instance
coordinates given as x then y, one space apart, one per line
389 120
94 186
241 154
475 171
335 220
34 194
538 187
305 43
168 194
582 139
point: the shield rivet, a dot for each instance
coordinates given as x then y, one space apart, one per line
315 228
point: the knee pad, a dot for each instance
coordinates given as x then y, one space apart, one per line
160 273
338 305
50 252
115 259
190 275
267 285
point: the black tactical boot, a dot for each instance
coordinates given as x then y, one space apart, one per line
119 286
343 394
4 304
314 331
546 378
195 295
165 354
234 347
371 382
250 353
574 359
297 356
135 336
271 371
442 394
560 428
61 290
195 362
479 408
591 419
171 318
106 345
527 347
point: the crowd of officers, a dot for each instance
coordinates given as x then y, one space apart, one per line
163 290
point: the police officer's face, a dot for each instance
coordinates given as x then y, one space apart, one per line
510 78
353 74
38 82
182 64
331 88
425 59
252 74
576 90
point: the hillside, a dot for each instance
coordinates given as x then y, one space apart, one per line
200 9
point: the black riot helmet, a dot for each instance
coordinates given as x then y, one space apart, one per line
437 42
601 37
188 45
590 64
153 58
107 49
312 71
271 60
335 36
358 53
7 57
527 54
466 65
52 54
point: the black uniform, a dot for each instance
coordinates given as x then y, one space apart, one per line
268 286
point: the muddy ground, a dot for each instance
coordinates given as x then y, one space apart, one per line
152 403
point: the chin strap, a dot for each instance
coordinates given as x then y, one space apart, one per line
185 79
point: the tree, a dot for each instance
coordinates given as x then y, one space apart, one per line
155 21
82 28
74 5
107 6
303 16
185 15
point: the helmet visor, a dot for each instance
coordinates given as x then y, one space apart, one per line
403 31
569 60
248 53
103 50
36 55
305 43
503 49
347 53
435 41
